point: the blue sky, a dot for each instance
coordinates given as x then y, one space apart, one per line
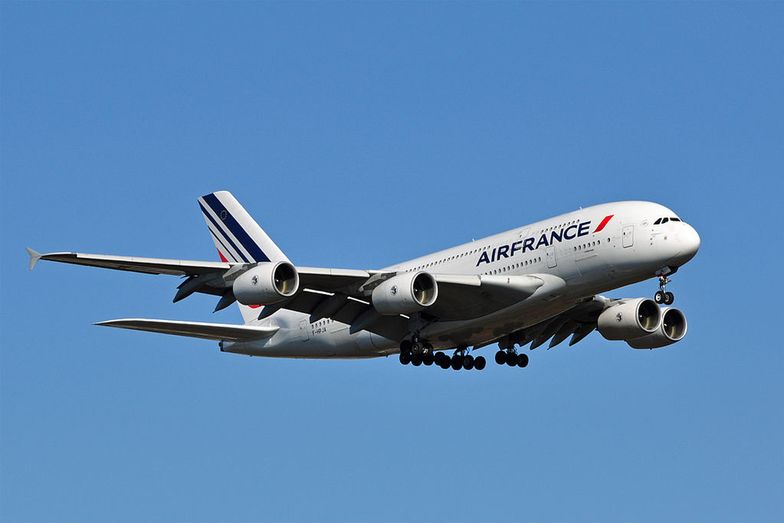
360 135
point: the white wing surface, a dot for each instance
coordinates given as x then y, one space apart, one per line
193 329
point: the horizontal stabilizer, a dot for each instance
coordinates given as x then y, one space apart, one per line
192 329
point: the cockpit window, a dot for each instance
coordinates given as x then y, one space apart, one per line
657 222
675 219
665 220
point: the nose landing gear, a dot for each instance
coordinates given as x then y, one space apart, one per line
662 295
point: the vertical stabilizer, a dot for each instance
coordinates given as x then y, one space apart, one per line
237 236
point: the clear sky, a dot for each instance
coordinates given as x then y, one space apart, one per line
360 135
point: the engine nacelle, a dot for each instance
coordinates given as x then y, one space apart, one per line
266 283
405 293
673 328
630 320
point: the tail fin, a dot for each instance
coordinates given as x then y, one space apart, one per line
237 236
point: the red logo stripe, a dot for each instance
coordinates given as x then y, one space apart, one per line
604 223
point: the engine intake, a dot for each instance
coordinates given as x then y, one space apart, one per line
405 293
673 328
266 283
630 319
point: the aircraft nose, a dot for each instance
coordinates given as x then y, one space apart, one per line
689 242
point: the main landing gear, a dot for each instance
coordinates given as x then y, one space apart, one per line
662 295
511 358
418 353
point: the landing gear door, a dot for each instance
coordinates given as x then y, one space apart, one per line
552 262
628 236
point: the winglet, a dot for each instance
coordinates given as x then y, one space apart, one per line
34 257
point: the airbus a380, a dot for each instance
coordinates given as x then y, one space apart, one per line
527 286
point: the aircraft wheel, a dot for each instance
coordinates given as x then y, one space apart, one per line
659 297
669 298
511 359
427 358
500 357
457 363
416 360
468 362
522 360
480 362
405 358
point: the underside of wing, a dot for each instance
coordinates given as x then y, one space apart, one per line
192 329
577 322
463 297
349 299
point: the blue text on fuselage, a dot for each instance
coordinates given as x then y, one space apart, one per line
534 242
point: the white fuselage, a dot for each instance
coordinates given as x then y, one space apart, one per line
578 254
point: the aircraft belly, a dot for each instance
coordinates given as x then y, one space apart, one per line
335 342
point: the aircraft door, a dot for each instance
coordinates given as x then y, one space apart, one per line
628 236
304 330
552 262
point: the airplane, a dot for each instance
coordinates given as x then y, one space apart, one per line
525 286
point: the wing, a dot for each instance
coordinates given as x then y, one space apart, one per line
577 322
203 276
193 329
347 298
130 263
343 295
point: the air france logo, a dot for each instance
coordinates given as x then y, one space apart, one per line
533 243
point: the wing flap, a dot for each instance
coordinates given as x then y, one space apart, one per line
193 329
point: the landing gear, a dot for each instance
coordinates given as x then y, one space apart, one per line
415 353
511 358
461 360
442 360
662 295
418 353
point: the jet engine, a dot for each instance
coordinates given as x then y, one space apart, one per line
630 319
673 328
266 283
405 293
